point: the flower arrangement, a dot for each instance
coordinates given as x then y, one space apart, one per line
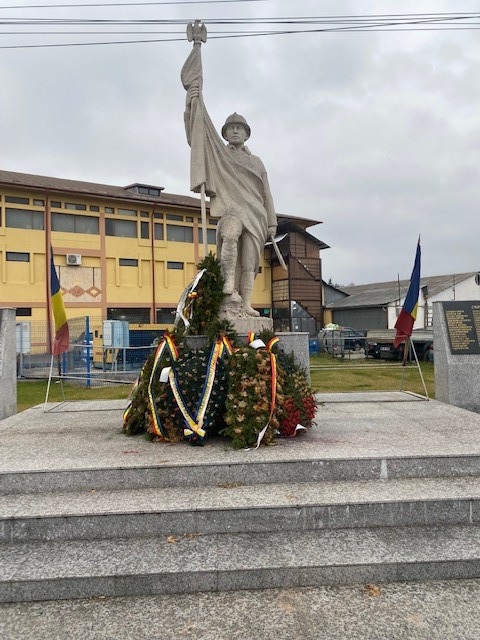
253 400
249 394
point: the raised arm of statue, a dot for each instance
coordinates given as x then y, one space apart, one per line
236 182
193 93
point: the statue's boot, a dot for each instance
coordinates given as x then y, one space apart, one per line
248 278
228 263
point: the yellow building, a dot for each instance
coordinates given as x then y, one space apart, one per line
127 253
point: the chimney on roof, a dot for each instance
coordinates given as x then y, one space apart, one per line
145 189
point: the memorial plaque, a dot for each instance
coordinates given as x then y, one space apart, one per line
463 326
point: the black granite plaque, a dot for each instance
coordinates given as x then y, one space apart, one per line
463 326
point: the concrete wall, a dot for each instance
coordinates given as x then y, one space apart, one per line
457 377
8 364
290 342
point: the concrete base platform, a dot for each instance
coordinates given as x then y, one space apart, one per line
385 487
356 426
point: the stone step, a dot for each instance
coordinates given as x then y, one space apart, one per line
223 562
256 471
239 508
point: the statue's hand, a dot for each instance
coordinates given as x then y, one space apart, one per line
272 230
192 93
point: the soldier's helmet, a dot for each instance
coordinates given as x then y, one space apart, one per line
235 118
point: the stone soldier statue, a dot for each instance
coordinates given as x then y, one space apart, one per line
233 178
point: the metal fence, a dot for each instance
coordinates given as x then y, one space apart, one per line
88 361
341 344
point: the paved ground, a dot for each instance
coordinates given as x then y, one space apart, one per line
414 611
88 435
348 425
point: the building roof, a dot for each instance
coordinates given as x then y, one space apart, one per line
288 224
62 185
378 294
130 192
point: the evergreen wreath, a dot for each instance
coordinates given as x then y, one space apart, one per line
248 408
189 371
250 390
209 297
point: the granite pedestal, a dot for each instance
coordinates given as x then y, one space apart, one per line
8 364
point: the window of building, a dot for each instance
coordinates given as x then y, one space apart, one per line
158 233
120 228
24 219
23 311
176 233
144 230
134 315
126 212
175 265
189 219
264 311
280 290
94 207
144 214
213 222
74 224
149 191
165 315
128 262
158 216
38 203
56 204
18 256
174 217
145 189
17 200
211 236
109 210
75 206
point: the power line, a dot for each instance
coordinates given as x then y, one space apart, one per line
124 4
352 20
331 24
220 37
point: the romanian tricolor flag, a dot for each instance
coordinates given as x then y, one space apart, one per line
61 339
408 314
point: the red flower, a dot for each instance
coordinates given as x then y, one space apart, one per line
290 418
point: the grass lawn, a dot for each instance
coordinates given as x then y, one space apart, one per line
32 392
327 373
334 374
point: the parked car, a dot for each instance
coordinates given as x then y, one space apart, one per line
380 344
342 339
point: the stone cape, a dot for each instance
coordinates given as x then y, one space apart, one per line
236 181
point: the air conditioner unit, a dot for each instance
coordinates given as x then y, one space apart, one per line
73 259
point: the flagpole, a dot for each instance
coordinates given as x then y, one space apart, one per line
197 33
404 362
48 385
48 253
204 220
419 370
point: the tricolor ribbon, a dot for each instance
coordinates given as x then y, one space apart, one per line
166 346
185 305
273 395
194 422
254 343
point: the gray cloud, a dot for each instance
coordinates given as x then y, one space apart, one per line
375 134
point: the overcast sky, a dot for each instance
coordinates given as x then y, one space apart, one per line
375 134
